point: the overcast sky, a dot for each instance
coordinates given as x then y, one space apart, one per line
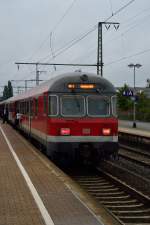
25 36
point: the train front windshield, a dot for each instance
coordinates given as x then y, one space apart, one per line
73 105
98 106
91 105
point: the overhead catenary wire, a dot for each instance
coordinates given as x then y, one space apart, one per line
49 36
51 48
76 40
126 31
69 45
111 8
55 27
134 26
136 15
119 36
63 16
127 57
122 33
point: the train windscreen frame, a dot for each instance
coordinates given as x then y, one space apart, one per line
114 105
98 106
73 105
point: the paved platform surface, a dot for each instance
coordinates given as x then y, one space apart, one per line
142 128
17 206
17 201
140 125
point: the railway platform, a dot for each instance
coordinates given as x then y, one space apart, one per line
142 130
140 125
34 191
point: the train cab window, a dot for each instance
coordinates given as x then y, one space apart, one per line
52 105
114 105
98 106
73 105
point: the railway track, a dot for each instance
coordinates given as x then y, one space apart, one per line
126 204
139 156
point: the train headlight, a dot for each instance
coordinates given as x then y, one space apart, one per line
65 131
106 131
71 86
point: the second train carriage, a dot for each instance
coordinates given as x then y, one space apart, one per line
72 115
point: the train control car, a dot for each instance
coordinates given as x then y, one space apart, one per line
72 115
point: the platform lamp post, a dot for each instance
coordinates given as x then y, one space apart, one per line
131 65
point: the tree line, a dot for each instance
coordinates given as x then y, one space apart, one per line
125 105
8 91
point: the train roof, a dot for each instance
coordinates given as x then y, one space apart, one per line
58 84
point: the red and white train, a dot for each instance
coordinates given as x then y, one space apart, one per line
72 115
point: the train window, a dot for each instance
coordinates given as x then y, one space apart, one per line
10 109
31 107
17 107
98 105
72 105
52 105
36 107
114 105
27 107
21 107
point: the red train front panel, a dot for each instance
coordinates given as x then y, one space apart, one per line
71 138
